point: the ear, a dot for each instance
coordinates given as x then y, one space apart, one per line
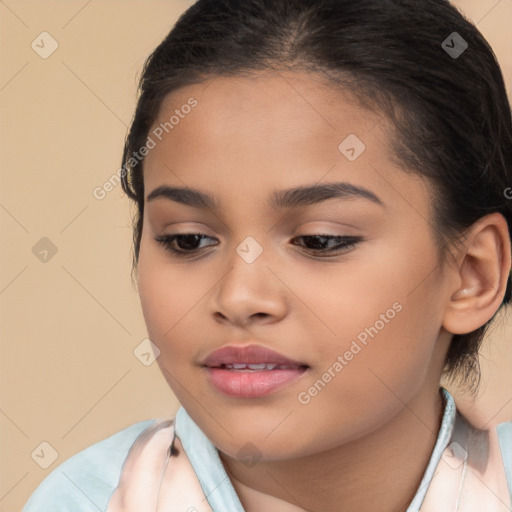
481 276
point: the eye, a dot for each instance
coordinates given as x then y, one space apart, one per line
321 243
186 244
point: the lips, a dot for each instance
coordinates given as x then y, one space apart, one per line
254 357
251 371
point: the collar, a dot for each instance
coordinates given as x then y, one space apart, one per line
443 438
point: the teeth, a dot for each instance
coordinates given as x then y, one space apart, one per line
259 366
254 366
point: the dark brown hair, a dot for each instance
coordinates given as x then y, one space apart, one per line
450 112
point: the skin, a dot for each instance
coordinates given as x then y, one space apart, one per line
353 441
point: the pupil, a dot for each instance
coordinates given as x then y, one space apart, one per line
187 237
318 241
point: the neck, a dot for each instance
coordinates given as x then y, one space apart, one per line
380 471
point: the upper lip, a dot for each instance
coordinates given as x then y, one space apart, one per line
251 354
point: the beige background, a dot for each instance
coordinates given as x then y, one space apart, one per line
69 326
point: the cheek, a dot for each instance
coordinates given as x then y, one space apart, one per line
170 296
352 301
385 332
169 300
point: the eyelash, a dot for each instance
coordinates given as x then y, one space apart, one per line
347 243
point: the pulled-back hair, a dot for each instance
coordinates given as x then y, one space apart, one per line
450 111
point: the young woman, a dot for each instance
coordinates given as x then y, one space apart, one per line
323 230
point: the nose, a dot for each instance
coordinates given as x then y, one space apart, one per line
249 293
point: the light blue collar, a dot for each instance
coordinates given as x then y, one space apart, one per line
205 460
443 438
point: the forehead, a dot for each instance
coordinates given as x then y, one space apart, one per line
267 131
270 109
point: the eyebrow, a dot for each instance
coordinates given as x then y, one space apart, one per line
278 199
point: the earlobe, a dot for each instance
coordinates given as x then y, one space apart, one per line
482 276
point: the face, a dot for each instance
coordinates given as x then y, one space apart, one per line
346 285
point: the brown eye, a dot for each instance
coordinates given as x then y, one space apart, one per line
322 243
186 242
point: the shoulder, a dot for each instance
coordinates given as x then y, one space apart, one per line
85 481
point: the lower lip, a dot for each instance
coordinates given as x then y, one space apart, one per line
251 384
